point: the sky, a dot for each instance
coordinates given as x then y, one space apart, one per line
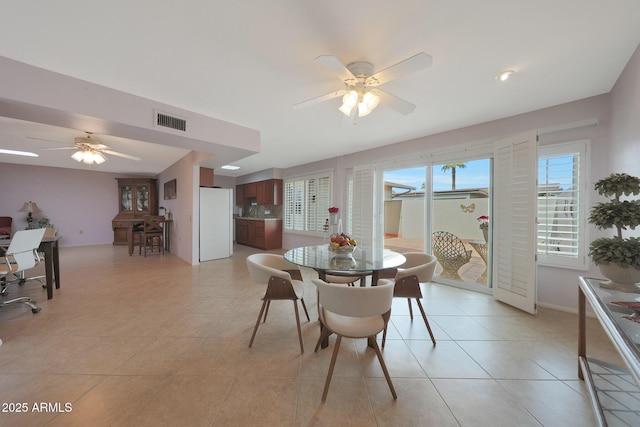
474 175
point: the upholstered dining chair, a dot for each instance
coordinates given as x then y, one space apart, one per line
283 281
5 227
152 234
354 312
451 254
21 255
418 268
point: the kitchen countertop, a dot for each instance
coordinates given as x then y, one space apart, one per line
257 219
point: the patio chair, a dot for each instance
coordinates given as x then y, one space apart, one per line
451 254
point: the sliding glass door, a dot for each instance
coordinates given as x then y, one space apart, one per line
442 208
460 221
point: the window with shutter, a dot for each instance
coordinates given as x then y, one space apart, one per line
306 202
561 205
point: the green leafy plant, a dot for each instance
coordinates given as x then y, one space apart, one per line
621 215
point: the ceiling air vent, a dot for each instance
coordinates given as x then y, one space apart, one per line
171 122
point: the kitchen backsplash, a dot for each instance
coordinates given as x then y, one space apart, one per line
262 211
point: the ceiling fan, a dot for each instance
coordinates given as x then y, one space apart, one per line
361 85
90 151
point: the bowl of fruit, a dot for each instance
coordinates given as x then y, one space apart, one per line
342 244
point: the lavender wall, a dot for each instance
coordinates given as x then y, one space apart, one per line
625 124
81 204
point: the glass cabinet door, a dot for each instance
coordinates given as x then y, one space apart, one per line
126 195
142 203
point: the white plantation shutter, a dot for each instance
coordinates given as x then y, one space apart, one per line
561 208
514 222
362 207
307 202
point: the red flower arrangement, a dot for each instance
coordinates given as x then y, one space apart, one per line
484 222
333 210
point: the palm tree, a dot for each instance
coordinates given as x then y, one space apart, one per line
453 167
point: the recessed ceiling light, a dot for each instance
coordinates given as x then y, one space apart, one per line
230 167
504 75
18 153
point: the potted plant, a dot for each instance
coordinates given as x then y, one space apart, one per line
617 257
484 226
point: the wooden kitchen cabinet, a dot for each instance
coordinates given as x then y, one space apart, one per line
240 201
250 190
261 192
206 177
137 197
261 234
242 231
268 192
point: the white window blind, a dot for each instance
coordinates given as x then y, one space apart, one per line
561 208
307 202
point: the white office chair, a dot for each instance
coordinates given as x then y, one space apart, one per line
354 312
22 254
418 268
284 282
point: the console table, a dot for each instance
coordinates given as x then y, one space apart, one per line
624 333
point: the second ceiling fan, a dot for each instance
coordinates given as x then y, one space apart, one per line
361 93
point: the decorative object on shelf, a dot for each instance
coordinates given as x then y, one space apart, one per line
31 208
618 258
484 226
170 190
40 223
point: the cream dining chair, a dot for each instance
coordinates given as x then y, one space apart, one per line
354 312
283 281
418 268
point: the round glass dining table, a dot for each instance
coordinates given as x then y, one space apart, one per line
362 261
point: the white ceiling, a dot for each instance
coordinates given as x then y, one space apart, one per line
248 62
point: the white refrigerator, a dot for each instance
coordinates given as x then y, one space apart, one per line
216 223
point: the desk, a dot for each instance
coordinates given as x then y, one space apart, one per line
137 221
623 333
363 260
483 250
48 246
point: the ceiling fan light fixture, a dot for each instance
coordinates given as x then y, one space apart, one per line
349 100
504 76
88 156
369 102
78 156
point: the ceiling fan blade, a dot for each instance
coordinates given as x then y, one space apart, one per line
58 148
332 63
396 104
46 140
313 101
126 156
402 68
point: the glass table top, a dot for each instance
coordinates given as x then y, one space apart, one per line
362 259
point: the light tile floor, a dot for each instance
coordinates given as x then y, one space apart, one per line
155 342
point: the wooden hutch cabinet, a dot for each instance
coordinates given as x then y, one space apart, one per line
137 197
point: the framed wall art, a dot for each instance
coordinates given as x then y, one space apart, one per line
170 190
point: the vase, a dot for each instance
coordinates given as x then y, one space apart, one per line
485 233
623 279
